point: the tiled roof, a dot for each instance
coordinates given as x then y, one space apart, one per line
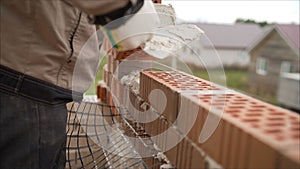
230 36
292 33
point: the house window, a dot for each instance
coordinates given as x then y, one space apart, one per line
285 67
261 66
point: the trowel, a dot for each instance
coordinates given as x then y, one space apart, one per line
169 37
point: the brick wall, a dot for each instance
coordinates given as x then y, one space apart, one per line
210 125
249 133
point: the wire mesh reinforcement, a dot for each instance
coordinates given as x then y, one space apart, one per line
98 136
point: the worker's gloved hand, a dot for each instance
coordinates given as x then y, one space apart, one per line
130 33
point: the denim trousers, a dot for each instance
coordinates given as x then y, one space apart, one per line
33 118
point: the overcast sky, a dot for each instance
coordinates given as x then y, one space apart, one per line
212 11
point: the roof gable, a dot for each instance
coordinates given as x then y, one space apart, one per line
289 33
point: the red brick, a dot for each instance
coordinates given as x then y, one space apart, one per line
171 84
251 134
291 158
182 154
213 146
242 152
234 155
261 155
226 148
197 160
172 138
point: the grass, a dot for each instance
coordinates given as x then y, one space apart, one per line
236 79
93 88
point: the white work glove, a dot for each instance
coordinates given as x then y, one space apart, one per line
136 31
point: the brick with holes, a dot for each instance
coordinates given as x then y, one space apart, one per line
197 160
171 85
251 133
255 134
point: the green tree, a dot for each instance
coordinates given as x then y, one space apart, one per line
252 21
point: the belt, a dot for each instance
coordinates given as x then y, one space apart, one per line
20 84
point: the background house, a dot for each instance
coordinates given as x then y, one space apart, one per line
228 43
274 56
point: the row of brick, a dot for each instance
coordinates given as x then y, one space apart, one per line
250 133
183 152
175 85
188 84
120 95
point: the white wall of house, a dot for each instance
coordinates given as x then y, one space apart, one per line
288 90
234 57
215 58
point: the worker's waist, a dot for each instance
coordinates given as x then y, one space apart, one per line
20 84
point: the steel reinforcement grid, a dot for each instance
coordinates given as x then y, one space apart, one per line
99 136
